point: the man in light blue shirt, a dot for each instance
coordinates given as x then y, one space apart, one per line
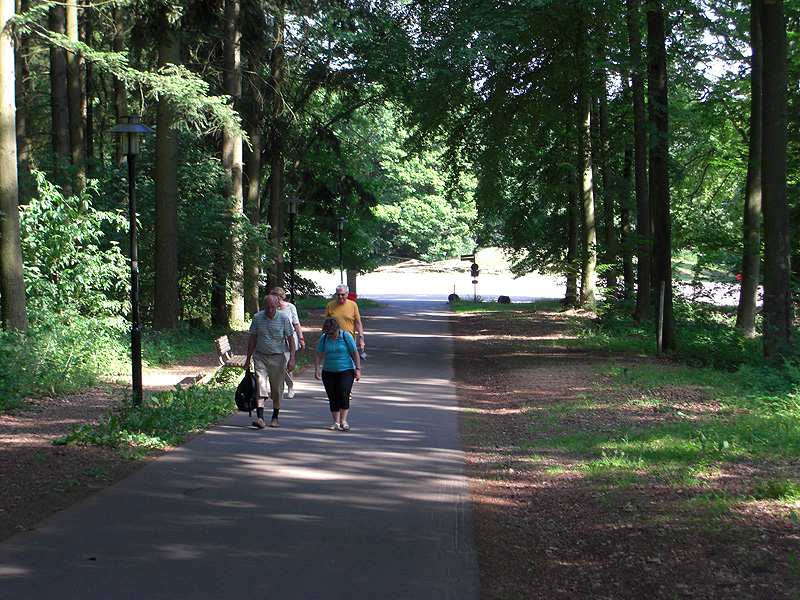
270 331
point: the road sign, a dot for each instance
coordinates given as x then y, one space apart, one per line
469 257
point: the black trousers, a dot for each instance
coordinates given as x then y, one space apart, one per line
338 385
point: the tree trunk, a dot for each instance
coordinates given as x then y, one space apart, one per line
277 143
659 170
76 102
609 225
644 230
21 66
777 326
626 238
166 306
232 155
751 226
571 296
120 93
88 101
253 115
589 232
12 279
59 110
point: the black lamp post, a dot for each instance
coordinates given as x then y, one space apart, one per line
340 226
291 207
129 131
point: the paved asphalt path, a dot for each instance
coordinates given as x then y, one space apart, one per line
300 512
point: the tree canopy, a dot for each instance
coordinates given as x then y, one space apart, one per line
428 128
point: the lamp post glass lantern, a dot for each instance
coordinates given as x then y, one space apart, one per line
340 226
291 207
129 130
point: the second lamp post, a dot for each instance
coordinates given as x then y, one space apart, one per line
129 131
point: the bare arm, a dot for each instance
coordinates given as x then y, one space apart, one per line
290 364
360 334
251 346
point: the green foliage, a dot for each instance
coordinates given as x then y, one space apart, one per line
162 420
320 302
707 334
167 347
58 356
71 264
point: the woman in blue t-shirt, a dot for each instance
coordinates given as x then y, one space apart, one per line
342 366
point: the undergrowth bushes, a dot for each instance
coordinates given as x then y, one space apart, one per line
58 356
707 338
162 420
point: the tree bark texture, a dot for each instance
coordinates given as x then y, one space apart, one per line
609 223
12 280
253 41
22 77
232 154
751 226
277 146
59 110
626 236
777 324
644 230
76 102
120 93
573 241
659 170
166 304
588 229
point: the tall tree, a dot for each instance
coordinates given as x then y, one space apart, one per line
232 152
120 93
643 223
751 251
76 100
12 281
22 80
609 224
59 111
253 44
166 306
777 325
277 142
659 171
588 228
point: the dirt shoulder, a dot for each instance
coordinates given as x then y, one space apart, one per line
554 523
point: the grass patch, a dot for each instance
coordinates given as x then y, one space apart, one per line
320 302
162 420
470 306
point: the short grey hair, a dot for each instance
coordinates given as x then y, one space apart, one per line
342 288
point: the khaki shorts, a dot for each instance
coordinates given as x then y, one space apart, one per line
270 371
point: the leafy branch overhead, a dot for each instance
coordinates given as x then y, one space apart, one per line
195 109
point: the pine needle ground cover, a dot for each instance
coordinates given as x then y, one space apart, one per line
611 473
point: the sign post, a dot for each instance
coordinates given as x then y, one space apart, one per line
474 271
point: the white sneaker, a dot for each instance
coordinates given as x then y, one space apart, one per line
290 393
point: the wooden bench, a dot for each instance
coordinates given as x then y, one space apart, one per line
226 358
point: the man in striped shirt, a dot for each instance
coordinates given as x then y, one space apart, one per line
270 331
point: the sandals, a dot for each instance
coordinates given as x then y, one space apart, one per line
345 426
334 427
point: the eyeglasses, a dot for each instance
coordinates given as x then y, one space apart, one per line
341 294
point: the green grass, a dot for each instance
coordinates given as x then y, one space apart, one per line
320 302
470 306
716 406
163 419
